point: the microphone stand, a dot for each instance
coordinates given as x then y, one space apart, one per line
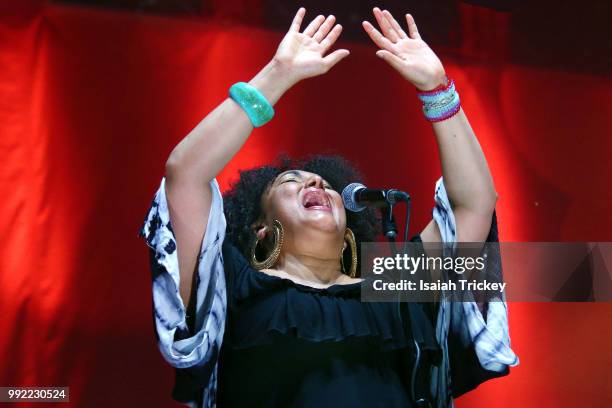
388 222
389 228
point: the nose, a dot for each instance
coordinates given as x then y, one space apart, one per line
315 181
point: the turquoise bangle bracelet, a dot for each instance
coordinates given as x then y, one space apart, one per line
254 104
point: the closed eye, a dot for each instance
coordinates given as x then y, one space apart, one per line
326 185
288 180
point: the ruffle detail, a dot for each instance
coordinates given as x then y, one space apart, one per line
269 306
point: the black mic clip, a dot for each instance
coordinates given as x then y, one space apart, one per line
393 196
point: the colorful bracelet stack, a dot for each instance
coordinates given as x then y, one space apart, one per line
441 103
254 104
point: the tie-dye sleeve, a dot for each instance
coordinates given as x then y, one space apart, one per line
475 349
183 347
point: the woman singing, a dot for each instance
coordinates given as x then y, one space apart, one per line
256 294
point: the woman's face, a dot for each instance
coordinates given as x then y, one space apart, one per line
306 205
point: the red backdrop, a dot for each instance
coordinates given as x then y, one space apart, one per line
91 104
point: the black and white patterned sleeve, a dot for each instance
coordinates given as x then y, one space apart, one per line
475 349
181 347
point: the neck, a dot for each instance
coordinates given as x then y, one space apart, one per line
312 269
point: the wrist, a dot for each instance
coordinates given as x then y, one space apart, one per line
273 81
440 80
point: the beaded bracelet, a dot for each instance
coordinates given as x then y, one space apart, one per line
441 103
254 104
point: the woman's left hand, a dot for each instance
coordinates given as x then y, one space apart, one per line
407 53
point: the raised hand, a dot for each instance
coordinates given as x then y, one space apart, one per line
302 54
407 53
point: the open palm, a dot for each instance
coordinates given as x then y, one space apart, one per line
407 53
303 53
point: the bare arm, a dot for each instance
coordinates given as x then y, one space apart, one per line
205 151
197 159
467 179
466 175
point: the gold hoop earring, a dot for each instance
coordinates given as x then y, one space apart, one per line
350 238
270 261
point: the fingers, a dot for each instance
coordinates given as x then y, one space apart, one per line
324 28
385 26
393 60
335 57
394 24
378 38
314 26
412 28
297 20
331 38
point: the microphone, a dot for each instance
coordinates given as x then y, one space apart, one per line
357 197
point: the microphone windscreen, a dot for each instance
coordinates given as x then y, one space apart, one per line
348 197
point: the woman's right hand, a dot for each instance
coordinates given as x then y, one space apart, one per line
301 55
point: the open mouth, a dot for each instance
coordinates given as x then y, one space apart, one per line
316 200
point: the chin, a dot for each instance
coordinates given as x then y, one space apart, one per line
325 223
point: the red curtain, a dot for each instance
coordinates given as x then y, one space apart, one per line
92 103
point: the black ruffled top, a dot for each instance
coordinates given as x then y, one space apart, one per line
290 345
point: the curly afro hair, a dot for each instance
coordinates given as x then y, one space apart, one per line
242 203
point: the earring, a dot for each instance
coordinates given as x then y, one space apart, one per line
270 261
350 238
